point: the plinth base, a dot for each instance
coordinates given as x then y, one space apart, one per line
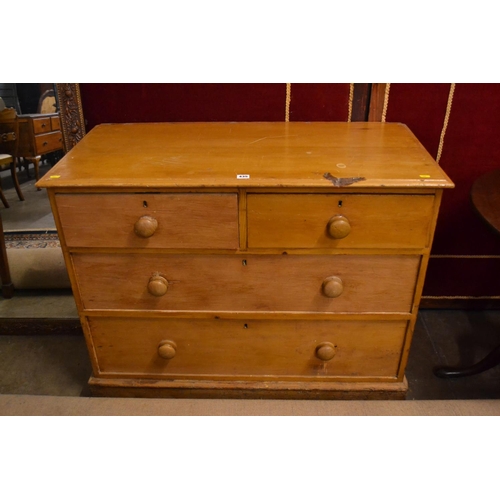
143 388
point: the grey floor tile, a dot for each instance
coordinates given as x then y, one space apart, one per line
462 338
43 365
422 383
39 304
32 213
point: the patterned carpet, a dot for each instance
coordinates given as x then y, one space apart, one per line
35 259
43 238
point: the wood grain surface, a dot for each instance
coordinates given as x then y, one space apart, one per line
301 220
228 348
192 220
279 154
372 283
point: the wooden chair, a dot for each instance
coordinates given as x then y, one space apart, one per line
47 102
9 138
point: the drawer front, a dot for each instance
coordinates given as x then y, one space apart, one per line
338 283
164 220
179 347
41 125
46 143
55 123
339 221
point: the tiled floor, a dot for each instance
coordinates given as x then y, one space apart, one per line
445 337
57 364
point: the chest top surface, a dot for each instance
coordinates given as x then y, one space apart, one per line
248 155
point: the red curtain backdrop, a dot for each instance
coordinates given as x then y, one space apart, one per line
422 108
160 102
470 148
319 102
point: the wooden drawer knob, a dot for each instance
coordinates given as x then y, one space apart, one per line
325 351
167 349
146 226
157 286
338 227
333 287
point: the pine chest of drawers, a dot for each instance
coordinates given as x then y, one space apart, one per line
281 260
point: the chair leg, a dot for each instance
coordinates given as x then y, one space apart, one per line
36 163
490 361
7 286
15 179
26 165
2 197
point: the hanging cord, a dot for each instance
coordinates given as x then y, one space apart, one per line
446 120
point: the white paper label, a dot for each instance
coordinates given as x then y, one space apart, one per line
243 176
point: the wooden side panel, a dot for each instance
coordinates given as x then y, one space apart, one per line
300 220
184 220
254 348
26 145
377 101
374 283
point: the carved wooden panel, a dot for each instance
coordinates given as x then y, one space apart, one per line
72 122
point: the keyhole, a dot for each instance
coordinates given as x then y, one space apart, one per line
145 204
245 326
340 203
244 262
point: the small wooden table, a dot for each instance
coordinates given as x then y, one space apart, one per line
485 198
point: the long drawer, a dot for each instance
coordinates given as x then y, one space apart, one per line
149 220
338 221
254 348
319 283
45 143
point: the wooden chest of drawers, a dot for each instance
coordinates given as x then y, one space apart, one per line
39 134
281 260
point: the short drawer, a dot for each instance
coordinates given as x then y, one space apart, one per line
339 221
165 348
150 220
55 123
41 125
46 143
338 283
